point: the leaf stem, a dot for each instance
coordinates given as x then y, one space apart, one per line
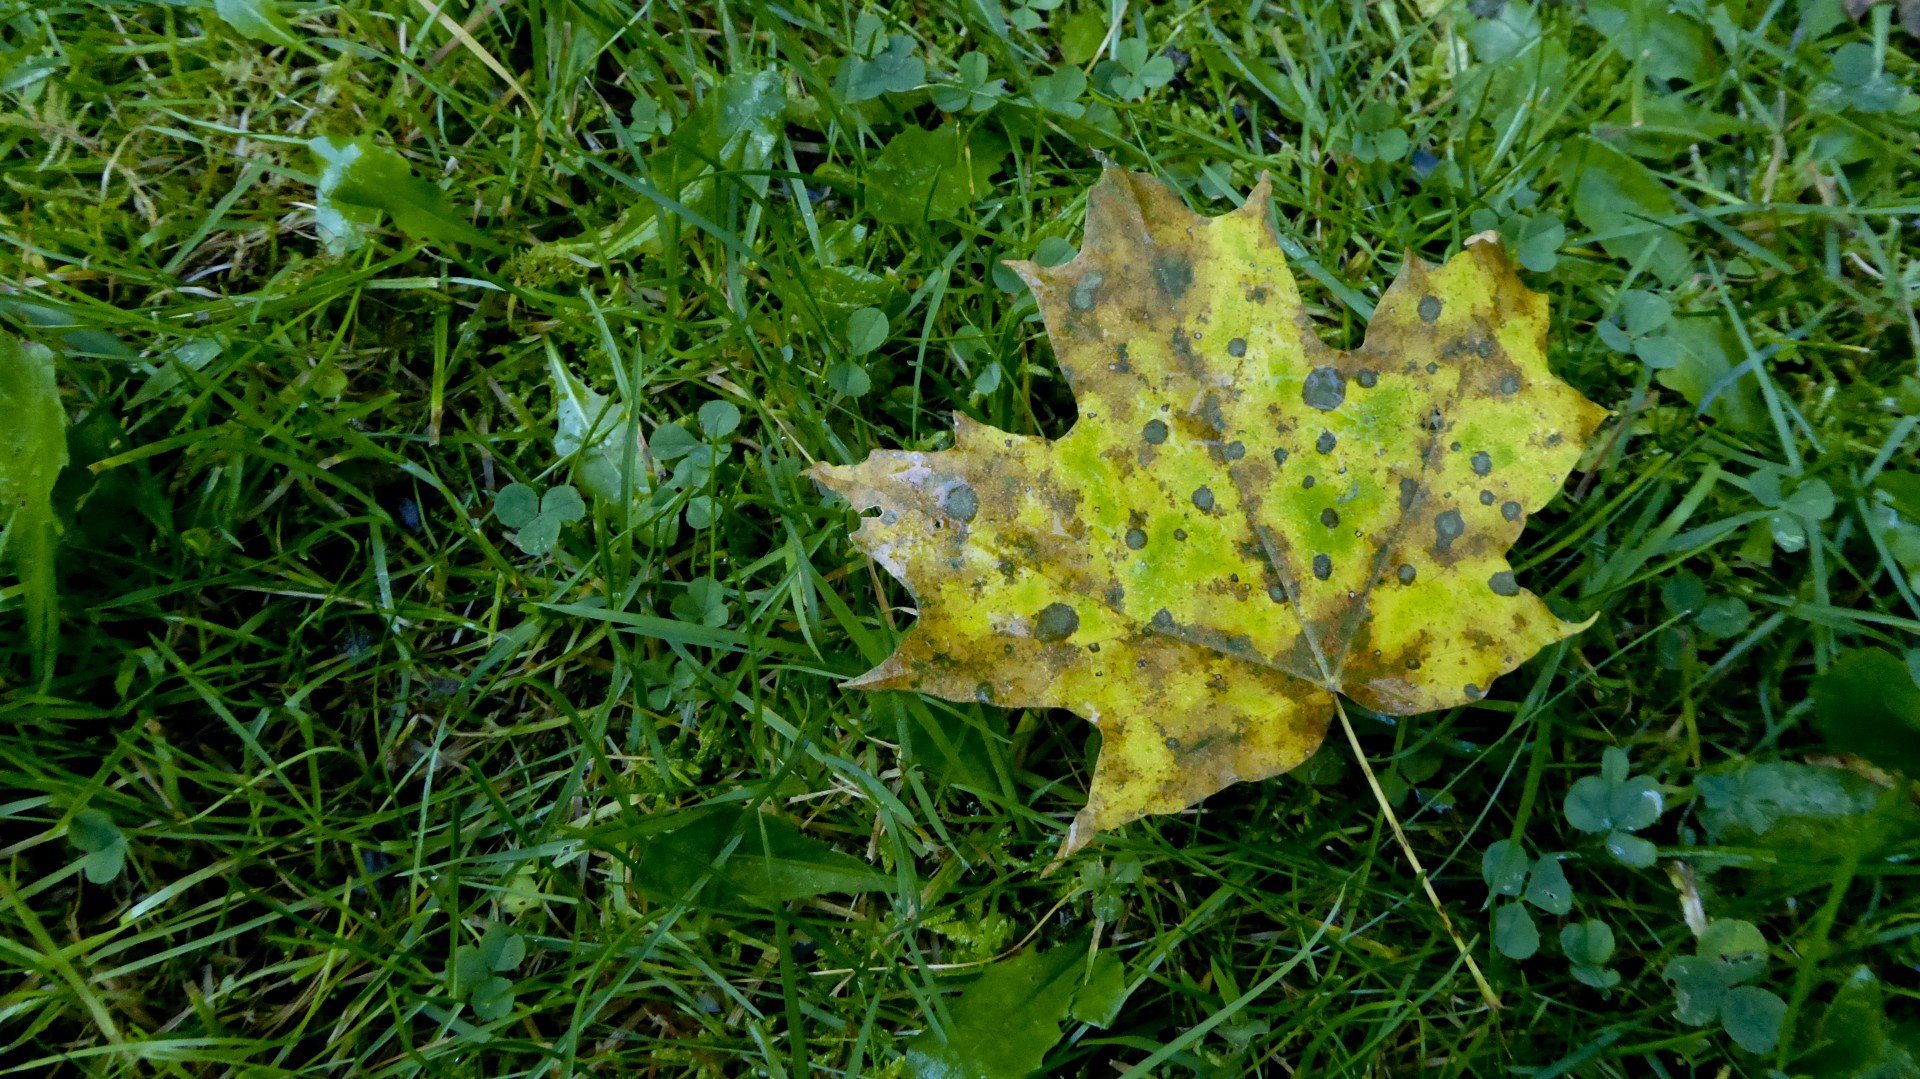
1406 848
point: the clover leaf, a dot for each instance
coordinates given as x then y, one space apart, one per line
1514 932
894 70
1134 70
971 91
1589 945
1639 328
474 975
1797 514
95 834
1377 136
536 519
1617 804
1060 92
1707 985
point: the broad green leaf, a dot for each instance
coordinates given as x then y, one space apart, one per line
360 180
258 19
598 434
774 862
470 968
33 450
1619 199
1003 1024
1100 998
1760 797
1855 1038
1751 1016
1241 523
1667 43
932 175
1514 932
893 70
1867 703
539 535
95 834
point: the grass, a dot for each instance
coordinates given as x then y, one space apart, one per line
343 725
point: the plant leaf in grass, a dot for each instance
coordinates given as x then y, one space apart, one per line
1243 522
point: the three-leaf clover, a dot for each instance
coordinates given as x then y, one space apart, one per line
1796 515
1639 328
95 834
1686 594
1618 805
1377 136
971 90
475 974
895 70
536 519
1134 70
1707 985
1509 872
1060 92
867 330
1589 945
704 601
649 120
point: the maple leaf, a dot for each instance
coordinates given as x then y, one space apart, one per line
1242 522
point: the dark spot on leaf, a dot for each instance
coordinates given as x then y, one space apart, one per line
983 693
1329 518
1155 432
1322 566
1368 379
1503 584
1326 442
1486 498
1277 594
1180 534
1553 439
1086 293
1237 347
1280 456
1406 573
962 503
1447 527
1409 490
1162 619
1324 389
1429 308
1236 450
1432 368
1474 692
1136 538
1203 498
1055 622
1482 463
1435 421
1174 276
1510 384
1173 743
1308 482
1510 510
1454 446
1413 665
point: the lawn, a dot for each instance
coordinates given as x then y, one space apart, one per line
421 645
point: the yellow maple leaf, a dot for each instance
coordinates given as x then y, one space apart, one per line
1242 522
